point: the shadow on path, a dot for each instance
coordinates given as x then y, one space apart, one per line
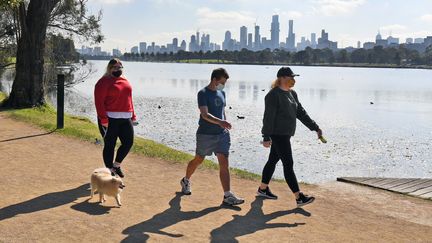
255 220
92 208
171 216
29 136
47 201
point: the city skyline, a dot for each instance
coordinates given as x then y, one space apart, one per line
255 42
347 21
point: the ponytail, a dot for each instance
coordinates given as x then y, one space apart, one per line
275 83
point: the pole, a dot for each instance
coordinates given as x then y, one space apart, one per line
60 101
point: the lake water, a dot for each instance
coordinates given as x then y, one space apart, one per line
391 137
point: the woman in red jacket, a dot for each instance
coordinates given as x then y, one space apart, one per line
116 116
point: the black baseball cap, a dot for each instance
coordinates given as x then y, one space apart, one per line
286 72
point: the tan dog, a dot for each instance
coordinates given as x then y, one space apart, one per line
105 184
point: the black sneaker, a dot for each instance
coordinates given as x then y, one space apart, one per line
304 199
266 193
118 171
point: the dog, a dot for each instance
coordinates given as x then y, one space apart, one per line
104 183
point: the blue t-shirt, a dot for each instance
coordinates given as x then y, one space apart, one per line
215 102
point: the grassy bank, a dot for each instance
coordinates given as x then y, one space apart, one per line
84 129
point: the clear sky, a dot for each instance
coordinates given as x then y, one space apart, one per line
125 23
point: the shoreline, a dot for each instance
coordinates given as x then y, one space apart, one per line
347 65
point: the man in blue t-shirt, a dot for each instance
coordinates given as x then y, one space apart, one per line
212 135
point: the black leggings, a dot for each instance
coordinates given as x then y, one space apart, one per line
281 150
117 128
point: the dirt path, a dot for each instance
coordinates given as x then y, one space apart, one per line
44 198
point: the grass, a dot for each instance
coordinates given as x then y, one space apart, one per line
82 128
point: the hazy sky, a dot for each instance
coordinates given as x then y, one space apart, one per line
127 22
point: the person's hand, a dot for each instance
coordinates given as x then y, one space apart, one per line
135 123
104 125
267 144
225 125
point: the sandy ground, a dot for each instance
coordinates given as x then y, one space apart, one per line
44 198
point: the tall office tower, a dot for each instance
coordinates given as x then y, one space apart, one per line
192 44
143 47
183 45
175 45
291 36
313 40
275 32
197 38
249 43
324 35
358 44
257 43
227 43
243 37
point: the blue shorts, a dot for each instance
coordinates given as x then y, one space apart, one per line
217 144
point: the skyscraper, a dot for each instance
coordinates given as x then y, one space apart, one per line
192 44
227 43
275 32
290 42
249 43
143 47
313 40
243 37
183 45
174 45
257 43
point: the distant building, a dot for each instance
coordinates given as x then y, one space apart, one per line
290 41
313 40
303 44
175 46
391 40
183 45
250 42
381 42
135 50
193 44
228 42
418 40
368 45
275 32
409 40
116 53
243 37
324 42
257 37
143 47
427 41
97 51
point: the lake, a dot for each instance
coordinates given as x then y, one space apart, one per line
378 121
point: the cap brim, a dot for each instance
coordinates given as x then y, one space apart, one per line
293 75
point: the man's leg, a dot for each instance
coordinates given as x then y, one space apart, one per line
192 165
224 171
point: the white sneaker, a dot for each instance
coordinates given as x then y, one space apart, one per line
232 200
186 186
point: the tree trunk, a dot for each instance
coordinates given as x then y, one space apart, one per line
28 88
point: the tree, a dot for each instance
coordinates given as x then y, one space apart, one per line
33 20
